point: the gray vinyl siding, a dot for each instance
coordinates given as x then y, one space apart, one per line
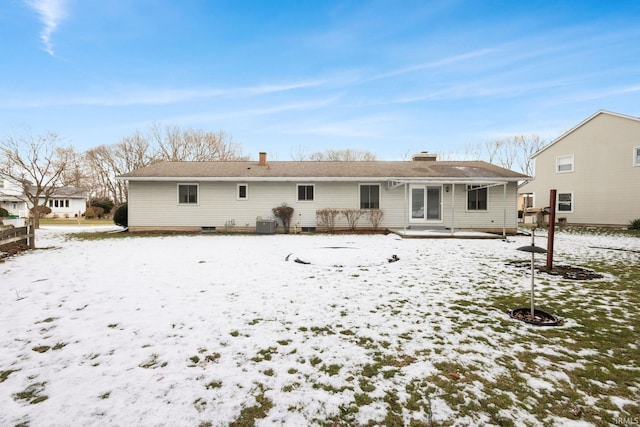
155 204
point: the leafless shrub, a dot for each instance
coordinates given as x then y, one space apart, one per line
352 216
327 218
375 217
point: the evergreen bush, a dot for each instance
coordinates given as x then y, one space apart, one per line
284 213
121 217
635 224
89 213
41 211
106 204
3 212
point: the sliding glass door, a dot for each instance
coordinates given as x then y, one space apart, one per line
426 203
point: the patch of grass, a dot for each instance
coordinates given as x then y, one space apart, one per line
331 389
47 320
324 330
105 395
41 348
112 325
59 346
366 386
265 354
315 360
269 372
249 415
200 404
331 370
234 333
213 384
5 374
153 363
32 394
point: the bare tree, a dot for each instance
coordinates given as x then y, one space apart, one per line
168 143
37 164
300 153
108 161
347 155
75 174
528 146
513 152
174 144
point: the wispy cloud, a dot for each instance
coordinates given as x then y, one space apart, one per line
255 112
130 96
435 64
51 13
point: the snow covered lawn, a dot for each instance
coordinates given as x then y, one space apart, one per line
215 330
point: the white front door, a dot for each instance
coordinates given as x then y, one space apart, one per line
425 203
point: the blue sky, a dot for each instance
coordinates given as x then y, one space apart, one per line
390 77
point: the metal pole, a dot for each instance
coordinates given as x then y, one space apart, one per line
552 228
533 254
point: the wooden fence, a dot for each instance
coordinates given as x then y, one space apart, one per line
17 234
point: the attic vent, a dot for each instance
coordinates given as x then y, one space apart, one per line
424 157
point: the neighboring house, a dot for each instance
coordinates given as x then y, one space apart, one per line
595 169
67 202
424 192
11 197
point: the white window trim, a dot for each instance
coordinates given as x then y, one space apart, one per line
466 204
379 195
246 197
573 202
197 193
636 156
565 157
305 200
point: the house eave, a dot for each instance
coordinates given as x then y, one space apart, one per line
402 180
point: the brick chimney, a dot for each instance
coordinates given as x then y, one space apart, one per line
263 159
424 156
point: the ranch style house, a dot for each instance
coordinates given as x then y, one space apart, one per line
238 195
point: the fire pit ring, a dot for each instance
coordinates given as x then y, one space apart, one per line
540 318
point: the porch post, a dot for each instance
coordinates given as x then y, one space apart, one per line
453 208
406 211
504 214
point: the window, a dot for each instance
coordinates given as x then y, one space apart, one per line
187 194
243 191
476 198
564 164
369 196
58 203
305 192
565 202
1 183
636 157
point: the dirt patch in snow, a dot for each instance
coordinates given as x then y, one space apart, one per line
566 271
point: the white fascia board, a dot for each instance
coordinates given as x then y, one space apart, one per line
434 180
